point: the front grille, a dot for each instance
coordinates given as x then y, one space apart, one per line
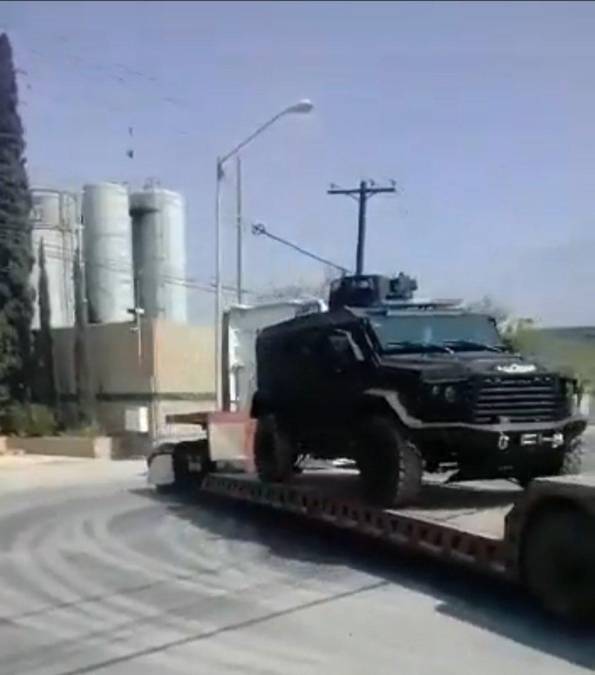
517 399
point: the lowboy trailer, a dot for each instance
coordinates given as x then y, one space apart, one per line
541 538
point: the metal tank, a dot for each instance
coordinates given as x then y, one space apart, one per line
55 220
159 244
107 239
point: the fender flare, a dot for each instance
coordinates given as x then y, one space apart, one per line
393 402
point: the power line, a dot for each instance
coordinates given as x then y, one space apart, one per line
56 252
260 230
118 72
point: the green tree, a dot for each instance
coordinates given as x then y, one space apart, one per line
44 345
16 260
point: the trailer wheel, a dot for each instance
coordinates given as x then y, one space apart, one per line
390 466
183 478
558 559
183 455
195 460
273 453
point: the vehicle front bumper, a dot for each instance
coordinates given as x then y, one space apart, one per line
504 450
504 435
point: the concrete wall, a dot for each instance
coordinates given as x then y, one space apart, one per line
184 358
119 362
95 447
166 367
184 373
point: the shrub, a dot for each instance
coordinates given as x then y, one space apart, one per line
32 420
13 419
42 421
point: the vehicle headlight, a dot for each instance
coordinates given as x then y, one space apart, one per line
450 394
435 391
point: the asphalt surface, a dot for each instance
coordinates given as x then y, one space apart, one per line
98 573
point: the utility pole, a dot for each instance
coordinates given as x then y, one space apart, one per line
361 194
239 229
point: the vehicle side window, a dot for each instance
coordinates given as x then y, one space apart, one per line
341 350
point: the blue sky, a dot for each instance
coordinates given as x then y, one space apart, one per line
484 114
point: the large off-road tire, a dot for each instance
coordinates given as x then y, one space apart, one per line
390 466
558 559
569 464
572 462
273 452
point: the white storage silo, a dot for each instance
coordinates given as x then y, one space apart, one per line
107 238
159 241
55 221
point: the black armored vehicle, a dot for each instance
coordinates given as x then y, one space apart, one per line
403 386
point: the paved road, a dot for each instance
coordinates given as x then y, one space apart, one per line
99 574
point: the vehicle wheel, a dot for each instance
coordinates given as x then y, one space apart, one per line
390 466
572 463
196 461
273 454
558 561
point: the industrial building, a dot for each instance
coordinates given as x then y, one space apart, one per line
132 248
159 250
56 223
133 257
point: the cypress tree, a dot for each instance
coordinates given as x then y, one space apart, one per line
82 371
46 393
16 260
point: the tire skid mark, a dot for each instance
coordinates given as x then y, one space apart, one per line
124 632
71 581
33 594
140 606
230 578
206 558
62 576
112 552
245 556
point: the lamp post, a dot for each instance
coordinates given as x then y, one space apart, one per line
301 107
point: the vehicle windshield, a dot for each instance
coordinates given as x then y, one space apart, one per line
437 332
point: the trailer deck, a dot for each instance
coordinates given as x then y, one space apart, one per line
462 523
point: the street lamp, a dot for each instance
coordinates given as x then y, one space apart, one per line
303 106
